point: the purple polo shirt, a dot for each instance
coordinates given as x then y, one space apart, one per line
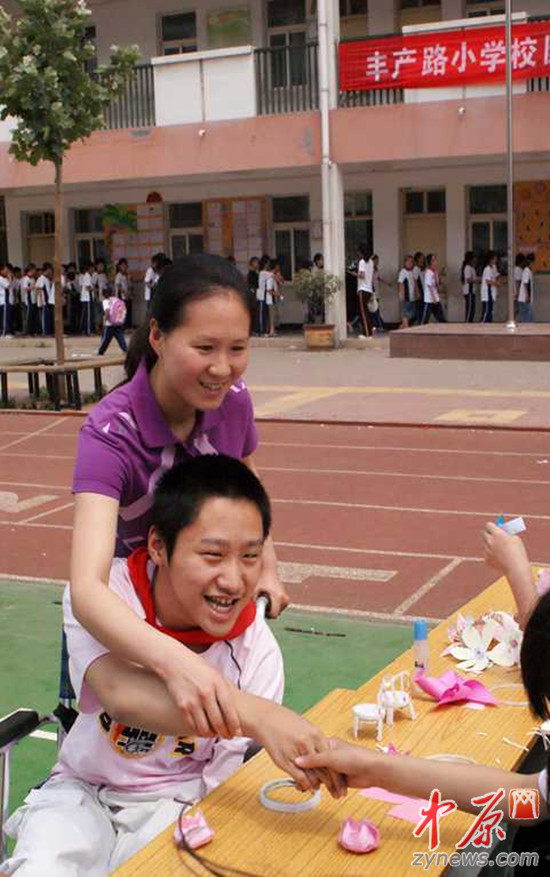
126 444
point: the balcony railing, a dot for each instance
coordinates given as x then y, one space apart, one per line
287 79
540 83
135 108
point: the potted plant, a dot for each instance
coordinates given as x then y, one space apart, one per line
316 289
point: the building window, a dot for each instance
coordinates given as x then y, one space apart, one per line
291 233
178 33
481 8
40 228
353 7
413 12
89 236
40 223
286 22
430 201
357 223
3 233
415 4
186 229
488 199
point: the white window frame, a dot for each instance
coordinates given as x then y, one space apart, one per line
488 7
424 193
185 233
184 45
349 14
291 227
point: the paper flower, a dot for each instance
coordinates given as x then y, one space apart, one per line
359 836
508 635
471 640
194 830
473 654
451 688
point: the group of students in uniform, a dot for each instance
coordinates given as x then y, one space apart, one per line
173 668
27 300
265 281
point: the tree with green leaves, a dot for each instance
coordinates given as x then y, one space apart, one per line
49 87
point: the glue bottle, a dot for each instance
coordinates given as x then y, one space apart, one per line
421 647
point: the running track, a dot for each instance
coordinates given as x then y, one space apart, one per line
382 521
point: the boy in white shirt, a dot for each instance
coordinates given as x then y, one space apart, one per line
489 287
406 285
86 296
114 319
525 294
28 299
152 277
45 292
128 766
432 301
4 296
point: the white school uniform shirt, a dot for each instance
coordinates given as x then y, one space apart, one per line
407 279
4 290
518 273
526 285
28 290
104 752
86 287
150 281
48 289
266 287
431 292
490 273
469 279
102 281
418 275
121 285
365 283
15 287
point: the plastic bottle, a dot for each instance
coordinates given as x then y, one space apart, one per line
421 647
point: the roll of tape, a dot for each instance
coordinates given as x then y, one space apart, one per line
282 806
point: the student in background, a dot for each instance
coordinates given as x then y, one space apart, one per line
518 271
28 299
468 279
432 300
525 293
318 263
252 282
407 292
71 293
264 279
123 289
152 277
46 298
489 287
418 274
114 318
86 299
364 287
4 294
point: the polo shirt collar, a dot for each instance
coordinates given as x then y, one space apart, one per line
151 421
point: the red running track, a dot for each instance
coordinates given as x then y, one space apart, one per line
378 520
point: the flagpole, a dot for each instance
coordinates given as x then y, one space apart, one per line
511 323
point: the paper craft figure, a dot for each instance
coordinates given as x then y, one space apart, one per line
360 836
451 688
396 695
369 714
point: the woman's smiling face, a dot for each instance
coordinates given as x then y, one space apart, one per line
200 359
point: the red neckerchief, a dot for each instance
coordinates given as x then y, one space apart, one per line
196 636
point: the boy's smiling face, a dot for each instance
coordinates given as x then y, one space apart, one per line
213 570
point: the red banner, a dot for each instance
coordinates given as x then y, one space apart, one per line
445 58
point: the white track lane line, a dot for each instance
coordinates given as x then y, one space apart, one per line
31 435
67 505
381 474
427 586
390 508
306 446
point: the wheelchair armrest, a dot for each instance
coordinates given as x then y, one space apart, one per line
17 725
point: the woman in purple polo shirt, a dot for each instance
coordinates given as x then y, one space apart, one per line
184 397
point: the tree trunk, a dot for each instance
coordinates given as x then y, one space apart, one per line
58 244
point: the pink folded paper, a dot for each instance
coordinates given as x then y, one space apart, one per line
360 836
451 688
194 830
405 807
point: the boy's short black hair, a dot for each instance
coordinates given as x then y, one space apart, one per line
183 490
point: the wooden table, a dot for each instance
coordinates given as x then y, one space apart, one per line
278 844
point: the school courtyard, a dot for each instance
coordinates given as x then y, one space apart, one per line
382 473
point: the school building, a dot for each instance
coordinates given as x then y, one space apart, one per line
238 137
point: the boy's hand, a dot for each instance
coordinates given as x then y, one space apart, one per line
355 763
270 584
207 701
504 553
286 735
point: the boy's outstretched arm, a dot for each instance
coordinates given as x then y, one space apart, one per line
507 554
418 777
139 698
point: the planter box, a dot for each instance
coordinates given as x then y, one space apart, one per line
319 336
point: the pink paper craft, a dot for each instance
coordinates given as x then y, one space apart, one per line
360 836
409 811
451 688
195 830
382 795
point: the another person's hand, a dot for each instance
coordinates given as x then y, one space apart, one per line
205 698
503 552
270 584
354 763
286 735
